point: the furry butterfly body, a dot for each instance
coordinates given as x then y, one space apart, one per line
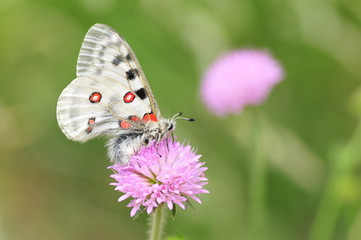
112 97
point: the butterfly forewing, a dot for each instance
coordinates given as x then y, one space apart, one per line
105 53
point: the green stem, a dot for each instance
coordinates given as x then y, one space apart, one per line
329 208
257 183
341 162
157 223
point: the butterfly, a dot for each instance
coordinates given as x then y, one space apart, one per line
112 97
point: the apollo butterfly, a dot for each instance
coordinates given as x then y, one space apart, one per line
111 96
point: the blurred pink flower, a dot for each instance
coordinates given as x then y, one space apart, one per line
238 79
168 172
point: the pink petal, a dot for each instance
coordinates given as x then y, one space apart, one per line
149 209
125 196
170 205
134 211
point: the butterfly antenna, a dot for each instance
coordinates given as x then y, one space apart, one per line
188 119
176 117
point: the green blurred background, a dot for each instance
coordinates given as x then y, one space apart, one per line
308 183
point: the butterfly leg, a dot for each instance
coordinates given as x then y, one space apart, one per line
173 139
158 140
160 155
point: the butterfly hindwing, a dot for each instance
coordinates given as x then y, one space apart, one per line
92 106
105 53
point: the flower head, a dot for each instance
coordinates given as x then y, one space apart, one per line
167 172
239 78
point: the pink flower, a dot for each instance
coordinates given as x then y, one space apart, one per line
168 172
238 79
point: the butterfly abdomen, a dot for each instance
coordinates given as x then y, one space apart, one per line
122 147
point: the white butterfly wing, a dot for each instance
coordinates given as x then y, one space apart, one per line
105 53
109 90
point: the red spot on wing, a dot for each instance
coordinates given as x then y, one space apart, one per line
89 129
129 97
91 121
134 119
153 118
124 124
150 117
95 97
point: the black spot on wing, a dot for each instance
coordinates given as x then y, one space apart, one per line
128 57
117 60
102 51
131 74
141 93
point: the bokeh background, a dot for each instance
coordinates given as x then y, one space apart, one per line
309 184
